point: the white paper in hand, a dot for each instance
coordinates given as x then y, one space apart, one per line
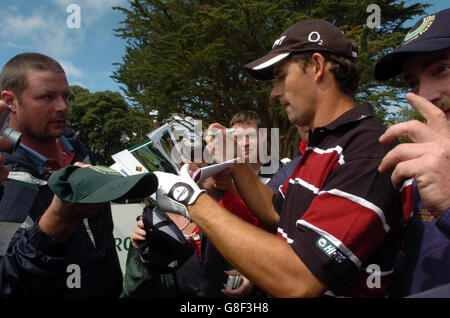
202 173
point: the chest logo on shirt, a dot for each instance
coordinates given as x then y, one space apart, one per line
330 250
424 215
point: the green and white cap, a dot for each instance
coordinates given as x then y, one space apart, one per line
96 184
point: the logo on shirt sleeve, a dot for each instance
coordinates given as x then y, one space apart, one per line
330 250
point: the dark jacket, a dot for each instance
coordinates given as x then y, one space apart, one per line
34 264
424 261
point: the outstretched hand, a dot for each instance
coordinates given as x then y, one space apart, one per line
138 234
62 218
427 160
221 143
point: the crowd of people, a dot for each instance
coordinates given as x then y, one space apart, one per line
355 197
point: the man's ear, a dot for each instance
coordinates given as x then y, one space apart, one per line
10 99
319 64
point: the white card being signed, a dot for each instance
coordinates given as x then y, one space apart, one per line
201 174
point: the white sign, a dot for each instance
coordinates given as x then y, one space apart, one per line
124 218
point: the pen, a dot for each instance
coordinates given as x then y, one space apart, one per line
228 130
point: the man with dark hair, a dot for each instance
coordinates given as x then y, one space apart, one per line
53 248
424 62
339 220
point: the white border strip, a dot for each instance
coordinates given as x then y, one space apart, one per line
279 190
337 149
305 184
362 202
271 61
405 184
284 235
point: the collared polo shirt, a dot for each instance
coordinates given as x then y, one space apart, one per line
338 213
50 163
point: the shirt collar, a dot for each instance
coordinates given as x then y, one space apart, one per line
353 115
39 159
364 110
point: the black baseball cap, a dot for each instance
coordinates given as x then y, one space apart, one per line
312 35
431 33
97 184
165 248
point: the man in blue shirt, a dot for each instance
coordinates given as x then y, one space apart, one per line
44 239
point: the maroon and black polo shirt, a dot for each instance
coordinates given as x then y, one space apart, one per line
340 215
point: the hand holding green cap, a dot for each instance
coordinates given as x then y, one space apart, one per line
96 184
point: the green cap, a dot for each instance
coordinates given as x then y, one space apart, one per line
96 184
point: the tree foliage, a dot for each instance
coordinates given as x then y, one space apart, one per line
104 121
186 57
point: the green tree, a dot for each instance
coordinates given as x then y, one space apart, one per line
186 57
104 121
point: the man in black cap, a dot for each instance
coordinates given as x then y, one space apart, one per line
424 62
338 218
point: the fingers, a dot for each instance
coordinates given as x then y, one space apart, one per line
81 164
234 293
139 230
407 169
185 161
244 289
232 272
221 142
138 234
423 169
223 180
409 160
413 129
5 144
187 169
4 172
402 152
437 125
435 117
213 130
216 126
191 168
426 163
